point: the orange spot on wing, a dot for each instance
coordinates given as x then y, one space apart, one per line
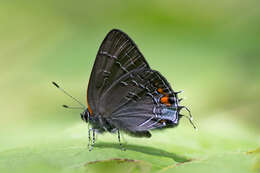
89 109
165 100
162 121
160 90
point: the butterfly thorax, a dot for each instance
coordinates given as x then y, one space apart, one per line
97 122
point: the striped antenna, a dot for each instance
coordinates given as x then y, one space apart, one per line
73 98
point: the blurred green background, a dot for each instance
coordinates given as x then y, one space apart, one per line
209 49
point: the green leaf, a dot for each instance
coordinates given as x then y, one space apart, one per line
174 150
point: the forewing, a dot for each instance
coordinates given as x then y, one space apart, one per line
118 55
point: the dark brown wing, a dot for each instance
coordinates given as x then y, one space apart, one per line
133 103
118 55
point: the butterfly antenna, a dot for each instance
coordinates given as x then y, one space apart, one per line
72 107
73 98
190 118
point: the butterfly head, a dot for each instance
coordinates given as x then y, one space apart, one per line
85 115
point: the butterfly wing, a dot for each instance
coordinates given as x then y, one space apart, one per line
118 55
125 92
133 103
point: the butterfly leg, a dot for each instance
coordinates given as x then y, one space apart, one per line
90 147
89 138
120 144
93 138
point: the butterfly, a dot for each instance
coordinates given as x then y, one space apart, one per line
125 94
